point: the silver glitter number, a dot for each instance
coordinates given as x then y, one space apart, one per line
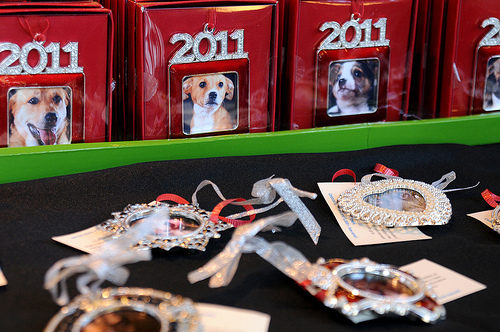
42 60
179 56
239 36
217 47
6 67
72 49
54 50
212 46
382 26
222 38
492 38
17 53
339 32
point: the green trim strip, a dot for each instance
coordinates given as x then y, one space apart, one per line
19 164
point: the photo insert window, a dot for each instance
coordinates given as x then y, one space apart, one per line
353 87
210 103
39 115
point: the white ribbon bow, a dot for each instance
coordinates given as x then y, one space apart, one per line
264 192
106 263
288 260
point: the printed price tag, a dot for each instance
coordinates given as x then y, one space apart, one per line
448 284
217 318
484 217
88 240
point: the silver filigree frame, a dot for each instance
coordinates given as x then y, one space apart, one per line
437 206
363 304
198 239
165 307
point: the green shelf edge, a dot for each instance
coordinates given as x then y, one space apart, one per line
20 164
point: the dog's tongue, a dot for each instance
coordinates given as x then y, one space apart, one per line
47 136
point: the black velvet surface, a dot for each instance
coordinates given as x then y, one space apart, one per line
34 211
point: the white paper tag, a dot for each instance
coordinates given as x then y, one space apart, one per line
3 280
484 217
88 240
217 318
447 284
360 234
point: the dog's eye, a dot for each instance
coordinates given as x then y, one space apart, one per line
203 84
33 101
358 73
57 99
221 84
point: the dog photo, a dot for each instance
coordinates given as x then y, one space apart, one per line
210 103
353 87
491 97
39 116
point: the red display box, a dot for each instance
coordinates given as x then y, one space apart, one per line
174 43
469 83
55 46
374 39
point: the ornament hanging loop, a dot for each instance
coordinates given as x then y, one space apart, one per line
208 29
211 21
36 27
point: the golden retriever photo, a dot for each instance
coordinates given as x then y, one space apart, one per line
491 98
39 116
352 87
205 96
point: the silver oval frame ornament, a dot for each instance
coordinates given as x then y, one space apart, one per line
163 311
353 202
374 290
196 237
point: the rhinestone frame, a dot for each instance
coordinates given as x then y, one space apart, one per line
437 205
165 307
196 240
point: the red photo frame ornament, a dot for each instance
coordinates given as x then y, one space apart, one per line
40 47
348 30
235 37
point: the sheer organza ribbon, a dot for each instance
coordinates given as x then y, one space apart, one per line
265 191
288 260
106 263
36 26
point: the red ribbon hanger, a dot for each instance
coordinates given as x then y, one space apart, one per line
490 198
358 9
35 26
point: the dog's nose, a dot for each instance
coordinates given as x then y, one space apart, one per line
51 118
342 82
212 95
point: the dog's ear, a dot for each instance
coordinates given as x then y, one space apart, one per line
187 85
229 89
11 98
67 92
334 73
12 92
